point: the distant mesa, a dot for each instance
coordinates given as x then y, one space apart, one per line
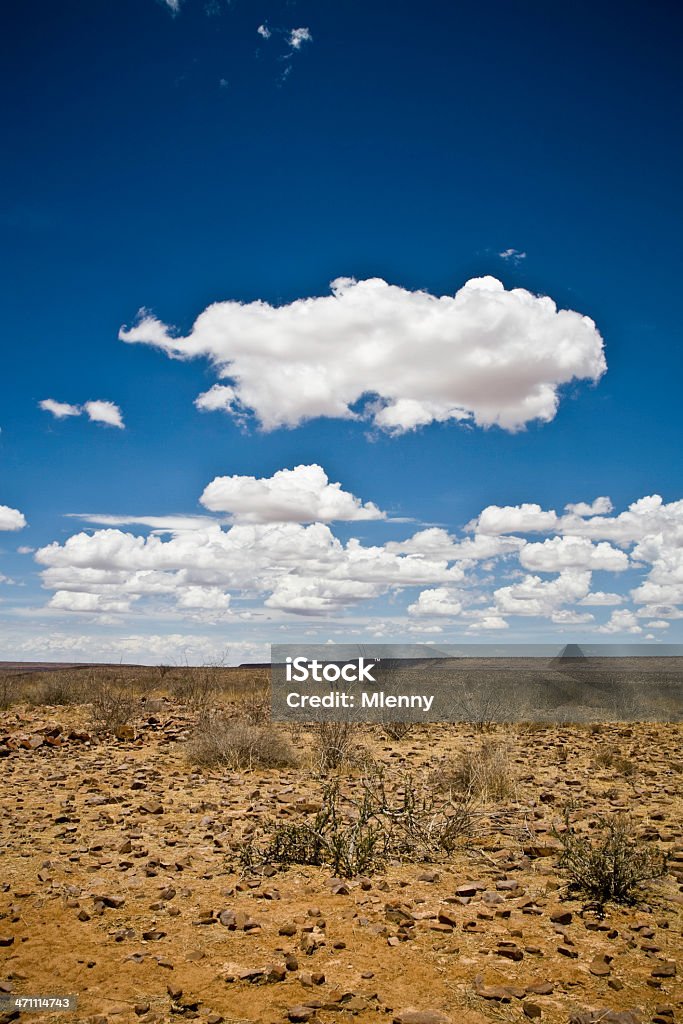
568 654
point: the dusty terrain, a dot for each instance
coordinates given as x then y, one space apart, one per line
122 881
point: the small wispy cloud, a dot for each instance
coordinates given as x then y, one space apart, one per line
264 31
60 410
299 36
173 5
513 255
97 411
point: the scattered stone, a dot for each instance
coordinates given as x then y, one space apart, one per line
562 917
152 807
300 1014
667 969
541 988
600 966
421 1017
114 902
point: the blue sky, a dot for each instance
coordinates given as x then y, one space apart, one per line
165 160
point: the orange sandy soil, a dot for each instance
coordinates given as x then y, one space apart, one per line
79 829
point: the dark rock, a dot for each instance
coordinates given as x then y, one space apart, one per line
667 969
300 1014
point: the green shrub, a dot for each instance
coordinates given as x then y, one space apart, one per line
610 866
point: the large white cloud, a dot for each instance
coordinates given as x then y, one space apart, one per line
536 597
644 518
437 601
194 567
485 354
300 495
526 518
560 553
11 518
299 568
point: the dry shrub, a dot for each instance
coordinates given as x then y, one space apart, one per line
484 773
255 707
59 689
9 691
333 744
398 730
236 743
610 866
483 711
198 685
112 708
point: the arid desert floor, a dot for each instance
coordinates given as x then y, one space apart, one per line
152 820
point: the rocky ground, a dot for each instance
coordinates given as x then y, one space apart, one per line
120 881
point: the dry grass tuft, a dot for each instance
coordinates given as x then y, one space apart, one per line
484 773
236 743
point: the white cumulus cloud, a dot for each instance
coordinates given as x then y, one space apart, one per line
11 518
300 495
438 601
536 597
526 518
560 553
622 621
270 550
104 412
402 358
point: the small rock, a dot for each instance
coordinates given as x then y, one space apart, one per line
421 1017
152 807
562 917
114 902
667 969
300 1014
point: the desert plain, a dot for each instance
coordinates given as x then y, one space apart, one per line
168 853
